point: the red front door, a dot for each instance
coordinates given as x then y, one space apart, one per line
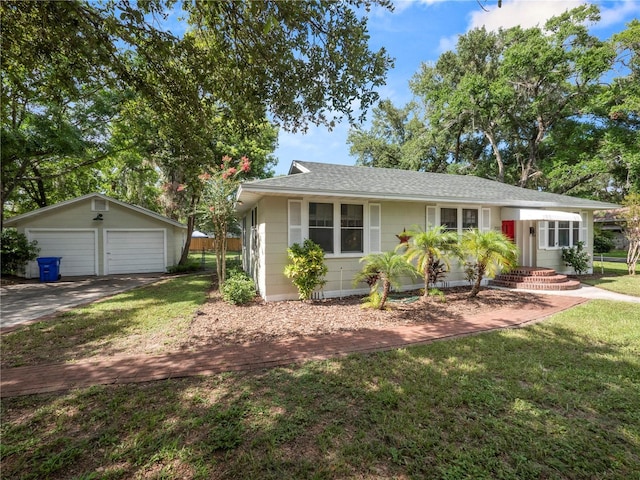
509 229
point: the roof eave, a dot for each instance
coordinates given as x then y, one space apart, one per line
262 190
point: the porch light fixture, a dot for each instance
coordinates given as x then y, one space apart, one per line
98 218
532 231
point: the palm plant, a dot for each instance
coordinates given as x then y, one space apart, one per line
492 252
427 247
383 269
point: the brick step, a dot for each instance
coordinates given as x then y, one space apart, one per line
566 285
510 277
531 278
533 271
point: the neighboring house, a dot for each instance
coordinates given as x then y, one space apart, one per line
612 221
353 211
98 235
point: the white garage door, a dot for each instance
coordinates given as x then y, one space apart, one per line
135 251
76 247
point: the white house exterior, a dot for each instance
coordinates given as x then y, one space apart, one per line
354 211
98 235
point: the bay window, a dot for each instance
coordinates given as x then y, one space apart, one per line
559 234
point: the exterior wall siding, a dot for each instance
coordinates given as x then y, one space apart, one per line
395 216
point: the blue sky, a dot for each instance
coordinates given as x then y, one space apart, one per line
420 31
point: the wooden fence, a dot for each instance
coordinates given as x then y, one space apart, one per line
199 244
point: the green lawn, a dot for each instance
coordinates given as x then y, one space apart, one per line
145 320
209 258
614 253
615 278
558 399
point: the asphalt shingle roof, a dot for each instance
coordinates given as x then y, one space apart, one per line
385 183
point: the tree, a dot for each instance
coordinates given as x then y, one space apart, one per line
299 62
426 247
15 251
398 138
218 196
387 269
511 88
631 227
491 251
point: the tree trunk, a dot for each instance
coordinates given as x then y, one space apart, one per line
633 256
427 277
220 232
498 155
476 286
191 221
386 288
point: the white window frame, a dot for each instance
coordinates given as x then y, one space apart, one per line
434 213
543 233
369 233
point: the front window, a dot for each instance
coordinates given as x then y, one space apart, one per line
564 239
321 225
351 228
563 234
449 218
469 218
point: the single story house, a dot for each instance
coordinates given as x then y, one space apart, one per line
613 221
98 235
353 211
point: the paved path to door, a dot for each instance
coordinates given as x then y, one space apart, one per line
212 360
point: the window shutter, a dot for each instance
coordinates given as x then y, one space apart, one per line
543 229
375 242
485 226
431 218
295 222
583 228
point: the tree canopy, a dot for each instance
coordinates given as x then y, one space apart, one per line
540 107
93 88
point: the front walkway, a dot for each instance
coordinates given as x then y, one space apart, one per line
209 361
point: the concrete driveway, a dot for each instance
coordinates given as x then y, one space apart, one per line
24 302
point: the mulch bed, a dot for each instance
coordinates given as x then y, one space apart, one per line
218 323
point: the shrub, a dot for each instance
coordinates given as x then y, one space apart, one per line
238 289
602 241
307 268
190 266
382 271
234 265
16 251
576 257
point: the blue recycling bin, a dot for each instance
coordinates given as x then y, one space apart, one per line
49 268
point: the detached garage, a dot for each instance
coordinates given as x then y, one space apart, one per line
98 235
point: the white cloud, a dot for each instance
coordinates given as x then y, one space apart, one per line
618 13
526 13
448 43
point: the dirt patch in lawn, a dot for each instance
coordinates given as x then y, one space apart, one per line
218 323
